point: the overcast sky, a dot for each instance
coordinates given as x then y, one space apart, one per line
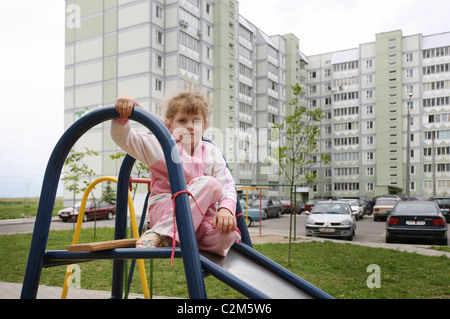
32 62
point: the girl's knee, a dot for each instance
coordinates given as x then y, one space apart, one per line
214 185
209 184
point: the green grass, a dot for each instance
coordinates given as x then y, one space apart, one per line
13 208
338 269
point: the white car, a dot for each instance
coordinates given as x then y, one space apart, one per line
357 209
383 207
331 219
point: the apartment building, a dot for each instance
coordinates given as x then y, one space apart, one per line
367 93
151 49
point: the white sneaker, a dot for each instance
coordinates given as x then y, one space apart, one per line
150 239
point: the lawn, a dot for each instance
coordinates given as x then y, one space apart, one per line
339 269
13 208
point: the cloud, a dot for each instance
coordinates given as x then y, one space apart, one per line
32 91
326 25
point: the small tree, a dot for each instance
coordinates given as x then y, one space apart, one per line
297 155
77 167
109 194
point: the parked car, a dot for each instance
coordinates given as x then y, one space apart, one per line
356 206
271 207
383 207
416 220
287 208
99 211
252 215
367 204
331 219
444 205
310 203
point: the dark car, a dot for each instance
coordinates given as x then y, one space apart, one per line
444 205
416 220
270 207
287 207
310 203
98 211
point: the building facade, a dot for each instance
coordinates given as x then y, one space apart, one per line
367 93
151 49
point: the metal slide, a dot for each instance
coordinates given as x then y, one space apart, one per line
256 276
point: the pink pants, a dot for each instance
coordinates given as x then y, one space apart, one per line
206 191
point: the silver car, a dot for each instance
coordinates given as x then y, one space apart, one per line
357 209
331 219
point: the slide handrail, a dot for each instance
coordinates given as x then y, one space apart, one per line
189 248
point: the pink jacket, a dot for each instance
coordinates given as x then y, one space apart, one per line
207 160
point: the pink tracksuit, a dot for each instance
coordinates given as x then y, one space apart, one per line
204 170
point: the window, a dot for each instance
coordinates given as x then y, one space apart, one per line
409 57
159 12
346 186
245 89
245 33
346 66
273 85
191 20
189 65
346 96
353 156
189 42
435 69
159 37
410 73
158 85
410 89
158 61
438 101
246 53
431 53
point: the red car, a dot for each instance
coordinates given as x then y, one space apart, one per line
310 203
287 208
99 211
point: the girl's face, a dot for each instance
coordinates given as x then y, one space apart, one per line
187 128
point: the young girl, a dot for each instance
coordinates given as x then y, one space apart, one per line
207 177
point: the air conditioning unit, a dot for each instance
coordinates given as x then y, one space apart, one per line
184 23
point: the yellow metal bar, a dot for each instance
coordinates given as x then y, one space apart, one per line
134 229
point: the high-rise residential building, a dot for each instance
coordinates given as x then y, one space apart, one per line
151 49
367 93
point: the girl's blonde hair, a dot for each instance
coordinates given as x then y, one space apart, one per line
189 102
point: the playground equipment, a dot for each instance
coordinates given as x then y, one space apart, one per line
134 230
244 269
